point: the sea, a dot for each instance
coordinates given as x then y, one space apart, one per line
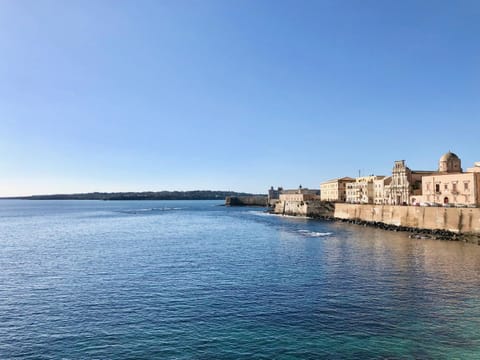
198 280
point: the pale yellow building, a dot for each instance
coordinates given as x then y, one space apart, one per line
460 188
362 190
381 188
450 185
300 194
335 189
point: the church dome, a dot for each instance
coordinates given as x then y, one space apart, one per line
449 156
450 163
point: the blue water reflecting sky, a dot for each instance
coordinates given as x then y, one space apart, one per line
197 280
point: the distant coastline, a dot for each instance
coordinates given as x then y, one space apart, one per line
147 195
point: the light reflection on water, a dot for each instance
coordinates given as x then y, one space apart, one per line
195 280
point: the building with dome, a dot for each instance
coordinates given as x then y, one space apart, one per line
450 185
450 163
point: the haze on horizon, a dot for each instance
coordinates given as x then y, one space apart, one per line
223 95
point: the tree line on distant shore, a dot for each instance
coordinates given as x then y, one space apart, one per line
147 195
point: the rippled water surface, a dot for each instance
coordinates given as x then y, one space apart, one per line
180 279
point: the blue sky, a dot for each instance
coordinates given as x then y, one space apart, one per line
231 95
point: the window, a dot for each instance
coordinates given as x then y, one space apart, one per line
437 187
454 187
446 186
465 186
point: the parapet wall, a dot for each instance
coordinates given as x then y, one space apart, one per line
457 220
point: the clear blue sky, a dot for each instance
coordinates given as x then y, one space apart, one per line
231 95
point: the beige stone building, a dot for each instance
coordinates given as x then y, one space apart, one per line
335 189
273 195
406 184
381 188
475 168
450 185
362 190
300 194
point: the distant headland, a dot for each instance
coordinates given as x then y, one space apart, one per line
147 195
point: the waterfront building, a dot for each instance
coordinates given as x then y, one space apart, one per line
335 189
274 195
450 185
406 185
353 194
381 189
300 194
475 168
362 190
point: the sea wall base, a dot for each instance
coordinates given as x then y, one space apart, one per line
434 222
313 209
423 222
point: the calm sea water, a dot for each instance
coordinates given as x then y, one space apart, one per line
185 279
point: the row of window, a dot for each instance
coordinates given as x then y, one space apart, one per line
445 186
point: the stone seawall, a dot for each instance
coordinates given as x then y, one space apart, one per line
454 220
423 222
313 209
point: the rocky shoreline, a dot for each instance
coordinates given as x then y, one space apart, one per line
415 233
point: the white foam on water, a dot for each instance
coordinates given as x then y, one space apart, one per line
314 233
136 211
261 213
320 234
